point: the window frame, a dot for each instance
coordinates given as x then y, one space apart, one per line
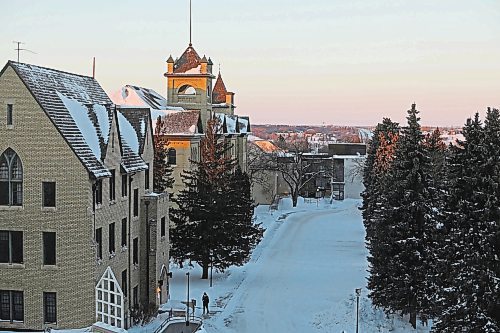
124 185
46 248
98 192
98 240
44 203
136 203
124 283
11 306
112 238
14 170
10 114
14 258
124 232
163 227
112 183
135 251
53 308
146 178
172 157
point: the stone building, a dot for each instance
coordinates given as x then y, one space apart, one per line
82 236
192 98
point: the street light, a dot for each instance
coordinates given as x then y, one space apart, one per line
187 301
358 293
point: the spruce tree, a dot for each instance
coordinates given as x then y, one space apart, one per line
468 278
213 220
409 216
375 208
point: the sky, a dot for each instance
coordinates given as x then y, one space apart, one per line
288 61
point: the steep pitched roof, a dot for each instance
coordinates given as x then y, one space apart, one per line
188 60
81 111
186 122
219 92
74 103
139 118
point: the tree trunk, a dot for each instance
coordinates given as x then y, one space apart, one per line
295 196
205 266
413 312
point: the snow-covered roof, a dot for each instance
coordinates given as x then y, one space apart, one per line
266 146
82 113
187 61
232 124
75 104
182 123
134 96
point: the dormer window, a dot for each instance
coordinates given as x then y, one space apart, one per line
186 90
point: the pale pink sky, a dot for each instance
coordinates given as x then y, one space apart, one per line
288 61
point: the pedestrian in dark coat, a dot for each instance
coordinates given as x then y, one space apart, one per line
205 301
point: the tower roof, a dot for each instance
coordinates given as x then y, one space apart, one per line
188 60
219 92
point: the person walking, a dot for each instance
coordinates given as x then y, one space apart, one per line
205 301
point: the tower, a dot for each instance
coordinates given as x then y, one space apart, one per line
189 82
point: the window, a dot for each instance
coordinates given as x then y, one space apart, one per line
49 248
124 232
11 247
98 240
98 192
338 191
136 202
111 238
136 296
112 186
162 226
11 179
172 156
49 308
124 185
49 194
186 90
146 178
10 108
124 282
135 255
11 305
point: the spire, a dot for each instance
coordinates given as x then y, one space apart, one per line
190 25
170 59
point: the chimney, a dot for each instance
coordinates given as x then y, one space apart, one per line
204 63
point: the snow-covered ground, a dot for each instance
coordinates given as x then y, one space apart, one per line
301 278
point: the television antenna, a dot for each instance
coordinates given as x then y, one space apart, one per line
18 49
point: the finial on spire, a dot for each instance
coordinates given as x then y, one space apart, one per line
190 25
219 68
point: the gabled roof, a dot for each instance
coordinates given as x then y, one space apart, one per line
219 92
56 91
81 111
188 60
232 124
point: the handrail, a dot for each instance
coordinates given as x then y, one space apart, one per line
165 323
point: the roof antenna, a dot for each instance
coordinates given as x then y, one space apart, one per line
20 49
93 68
190 29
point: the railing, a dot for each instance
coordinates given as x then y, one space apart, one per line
171 319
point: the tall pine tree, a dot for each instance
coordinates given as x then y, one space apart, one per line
213 220
468 275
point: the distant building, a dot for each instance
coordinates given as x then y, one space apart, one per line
82 236
347 178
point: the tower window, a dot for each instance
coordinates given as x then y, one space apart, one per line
186 90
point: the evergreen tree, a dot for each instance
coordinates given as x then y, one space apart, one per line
468 275
375 208
409 218
162 170
213 220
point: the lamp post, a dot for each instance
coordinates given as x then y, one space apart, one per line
358 293
187 301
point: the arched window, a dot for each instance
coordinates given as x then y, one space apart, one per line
187 90
11 179
172 156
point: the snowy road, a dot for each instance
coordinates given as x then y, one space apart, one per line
310 268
